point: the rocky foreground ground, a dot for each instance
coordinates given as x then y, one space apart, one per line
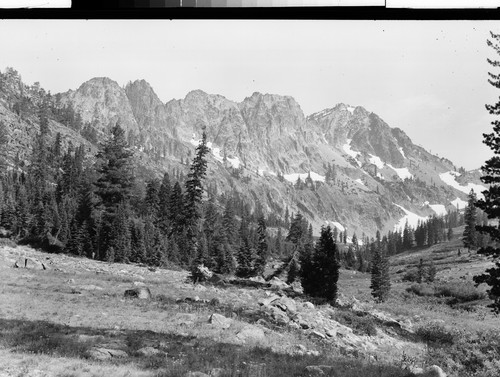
85 303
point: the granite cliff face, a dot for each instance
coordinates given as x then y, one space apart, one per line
356 171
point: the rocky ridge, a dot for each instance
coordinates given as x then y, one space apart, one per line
261 146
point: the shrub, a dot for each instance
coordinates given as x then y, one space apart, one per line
7 242
458 291
360 322
411 275
421 289
436 334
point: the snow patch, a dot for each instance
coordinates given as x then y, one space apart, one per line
337 225
294 176
375 160
411 217
459 203
235 162
403 173
360 182
440 209
351 109
350 152
449 179
402 152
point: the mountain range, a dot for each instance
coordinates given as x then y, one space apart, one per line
355 172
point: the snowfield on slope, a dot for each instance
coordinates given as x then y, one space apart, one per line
440 209
403 173
216 152
411 217
375 160
449 179
294 176
459 203
350 152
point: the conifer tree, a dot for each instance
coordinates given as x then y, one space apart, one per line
469 238
163 204
380 281
491 202
325 267
113 187
262 248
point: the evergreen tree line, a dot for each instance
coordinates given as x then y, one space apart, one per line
63 202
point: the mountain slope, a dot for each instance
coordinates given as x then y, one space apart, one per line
355 170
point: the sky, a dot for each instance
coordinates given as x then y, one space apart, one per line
428 78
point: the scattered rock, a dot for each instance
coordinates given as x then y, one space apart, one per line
220 321
278 283
317 334
251 333
148 351
30 263
214 302
196 374
286 304
434 371
312 353
268 300
106 353
318 370
309 305
142 293
217 372
331 333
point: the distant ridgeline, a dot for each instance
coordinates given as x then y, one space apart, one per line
114 174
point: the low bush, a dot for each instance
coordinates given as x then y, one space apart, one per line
458 292
7 242
360 322
436 334
461 292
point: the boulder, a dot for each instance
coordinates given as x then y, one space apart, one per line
220 321
250 333
317 334
266 301
308 305
142 293
148 351
318 370
139 284
434 371
286 304
331 333
30 263
278 283
100 353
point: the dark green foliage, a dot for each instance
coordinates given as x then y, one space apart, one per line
245 259
262 248
491 202
325 266
380 279
114 187
470 235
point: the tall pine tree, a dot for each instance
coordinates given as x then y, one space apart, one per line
470 235
491 202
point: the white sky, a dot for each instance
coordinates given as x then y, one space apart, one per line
426 77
